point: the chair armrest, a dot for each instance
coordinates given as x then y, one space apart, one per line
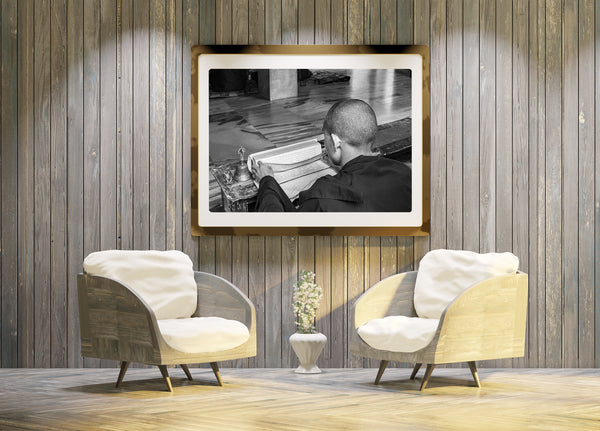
115 322
487 321
218 297
392 296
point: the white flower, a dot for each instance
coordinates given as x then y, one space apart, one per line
306 298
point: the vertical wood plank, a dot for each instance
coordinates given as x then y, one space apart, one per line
207 35
570 147
207 21
504 172
389 256
125 125
323 278
108 124
256 291
373 22
91 135
454 125
223 266
356 284
587 131
174 118
272 22
141 125
339 303
532 354
289 22
239 23
470 116
422 32
26 191
390 20
438 124
8 182
157 126
289 275
597 186
273 285
355 22
520 160
487 126
58 183
322 22
339 22
42 184
223 22
554 262
256 22
406 20
306 22
541 188
190 37
239 276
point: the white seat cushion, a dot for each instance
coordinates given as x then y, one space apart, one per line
164 279
203 334
445 274
398 333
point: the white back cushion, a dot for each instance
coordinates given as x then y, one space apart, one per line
164 279
445 274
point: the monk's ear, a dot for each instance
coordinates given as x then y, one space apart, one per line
336 141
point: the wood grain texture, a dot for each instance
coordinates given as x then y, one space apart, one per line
42 233
306 22
470 130
8 182
272 22
269 399
289 22
587 132
96 145
454 125
25 182
553 191
58 181
520 137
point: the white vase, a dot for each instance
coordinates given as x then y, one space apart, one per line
308 347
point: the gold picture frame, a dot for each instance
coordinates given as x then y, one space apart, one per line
371 56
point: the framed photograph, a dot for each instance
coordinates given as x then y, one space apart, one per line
310 140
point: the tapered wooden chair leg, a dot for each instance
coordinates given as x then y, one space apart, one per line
165 374
124 366
415 370
186 370
215 369
382 366
473 369
427 375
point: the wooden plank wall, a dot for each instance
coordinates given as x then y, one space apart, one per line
95 132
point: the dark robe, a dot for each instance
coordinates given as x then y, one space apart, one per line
366 183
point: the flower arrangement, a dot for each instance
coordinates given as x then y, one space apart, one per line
306 299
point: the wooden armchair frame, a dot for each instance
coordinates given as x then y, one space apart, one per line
116 323
487 321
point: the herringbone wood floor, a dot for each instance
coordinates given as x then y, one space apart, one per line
278 399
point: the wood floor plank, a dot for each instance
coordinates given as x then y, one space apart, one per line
257 399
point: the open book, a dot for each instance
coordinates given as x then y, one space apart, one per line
296 166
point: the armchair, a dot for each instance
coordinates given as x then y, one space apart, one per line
151 307
459 307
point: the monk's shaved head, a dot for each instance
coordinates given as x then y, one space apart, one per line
353 121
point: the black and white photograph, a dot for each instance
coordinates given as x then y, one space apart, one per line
310 140
330 141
